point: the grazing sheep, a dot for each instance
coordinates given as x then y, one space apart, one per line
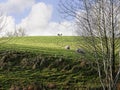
59 34
81 51
67 47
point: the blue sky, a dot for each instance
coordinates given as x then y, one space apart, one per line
36 17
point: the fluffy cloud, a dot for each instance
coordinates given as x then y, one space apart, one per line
65 27
38 22
38 18
16 6
8 24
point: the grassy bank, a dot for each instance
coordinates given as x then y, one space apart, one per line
23 69
25 61
43 44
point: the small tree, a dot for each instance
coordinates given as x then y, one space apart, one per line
21 32
17 33
98 21
9 34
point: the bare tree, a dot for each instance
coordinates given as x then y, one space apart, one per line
9 34
20 32
98 21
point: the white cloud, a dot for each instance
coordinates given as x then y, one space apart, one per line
65 27
38 22
38 18
16 6
8 24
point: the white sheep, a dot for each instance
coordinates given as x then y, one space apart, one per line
67 47
81 51
59 34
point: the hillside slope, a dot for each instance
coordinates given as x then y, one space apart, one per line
44 63
42 44
21 69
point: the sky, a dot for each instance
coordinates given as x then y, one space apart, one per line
36 17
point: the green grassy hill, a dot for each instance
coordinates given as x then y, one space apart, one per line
42 44
43 62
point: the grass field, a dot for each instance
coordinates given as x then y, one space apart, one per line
43 44
44 60
25 61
